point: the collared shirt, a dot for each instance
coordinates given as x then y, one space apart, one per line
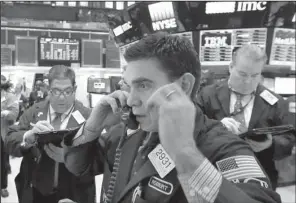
203 185
245 101
64 117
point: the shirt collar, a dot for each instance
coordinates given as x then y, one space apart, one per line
53 113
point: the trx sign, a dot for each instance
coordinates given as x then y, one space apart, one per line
162 16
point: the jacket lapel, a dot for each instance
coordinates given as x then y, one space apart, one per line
223 95
147 170
129 152
42 111
72 123
258 107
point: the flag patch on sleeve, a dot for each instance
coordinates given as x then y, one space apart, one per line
240 167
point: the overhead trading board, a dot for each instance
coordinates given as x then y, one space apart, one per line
59 49
216 45
283 47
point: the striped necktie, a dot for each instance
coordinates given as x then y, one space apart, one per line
239 113
57 121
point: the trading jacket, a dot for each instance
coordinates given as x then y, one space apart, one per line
214 100
212 139
39 173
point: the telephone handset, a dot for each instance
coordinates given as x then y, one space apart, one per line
127 117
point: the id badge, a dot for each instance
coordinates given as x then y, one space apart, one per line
270 98
161 161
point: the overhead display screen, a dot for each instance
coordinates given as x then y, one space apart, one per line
283 47
59 49
216 45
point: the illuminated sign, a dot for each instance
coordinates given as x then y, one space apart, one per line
293 19
122 28
251 6
215 41
216 45
283 47
162 16
231 7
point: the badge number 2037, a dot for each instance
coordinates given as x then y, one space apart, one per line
161 161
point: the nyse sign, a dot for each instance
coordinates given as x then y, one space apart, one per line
162 16
164 24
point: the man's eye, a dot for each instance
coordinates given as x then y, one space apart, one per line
142 86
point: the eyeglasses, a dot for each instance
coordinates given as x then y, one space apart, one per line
57 92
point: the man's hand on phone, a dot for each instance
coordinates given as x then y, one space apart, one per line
40 126
106 112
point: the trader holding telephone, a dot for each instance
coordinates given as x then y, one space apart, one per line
242 104
43 177
177 154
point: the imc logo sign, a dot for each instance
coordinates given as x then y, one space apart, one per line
232 7
162 16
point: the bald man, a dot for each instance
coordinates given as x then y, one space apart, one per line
241 103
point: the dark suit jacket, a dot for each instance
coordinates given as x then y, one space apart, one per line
40 174
212 139
23 105
214 100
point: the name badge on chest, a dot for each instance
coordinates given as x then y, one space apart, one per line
78 117
161 161
270 98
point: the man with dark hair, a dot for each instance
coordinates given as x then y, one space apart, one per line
176 154
43 177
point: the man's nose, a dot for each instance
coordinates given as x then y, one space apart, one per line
133 100
248 79
62 96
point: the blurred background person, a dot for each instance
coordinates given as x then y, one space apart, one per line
241 103
21 98
9 113
39 93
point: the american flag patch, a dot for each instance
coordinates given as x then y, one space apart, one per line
240 167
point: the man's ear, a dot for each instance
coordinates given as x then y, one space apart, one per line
231 66
75 88
187 81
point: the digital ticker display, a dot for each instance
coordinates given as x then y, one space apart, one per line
216 45
283 47
59 49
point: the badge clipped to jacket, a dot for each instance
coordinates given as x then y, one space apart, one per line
161 161
270 98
